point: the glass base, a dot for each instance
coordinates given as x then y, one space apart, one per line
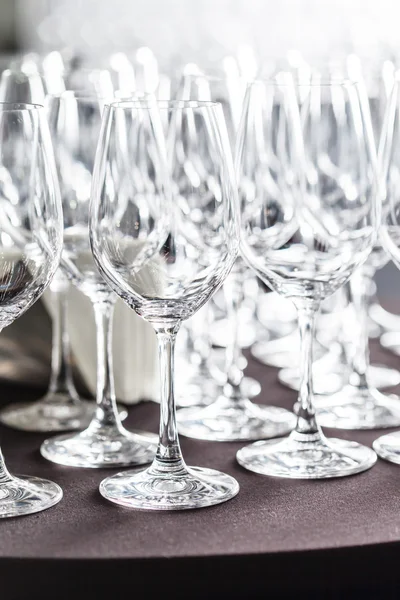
264 352
384 318
221 334
388 447
332 381
380 376
225 421
24 495
315 458
326 383
201 392
101 448
391 341
54 412
173 489
354 408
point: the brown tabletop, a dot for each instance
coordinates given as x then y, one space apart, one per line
276 535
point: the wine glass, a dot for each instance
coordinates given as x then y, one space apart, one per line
60 408
165 257
304 231
388 446
232 416
75 124
30 248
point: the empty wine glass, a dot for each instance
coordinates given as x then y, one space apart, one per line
232 416
75 124
30 248
388 446
165 257
61 407
304 231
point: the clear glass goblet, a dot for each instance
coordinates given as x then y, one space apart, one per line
165 257
30 248
232 416
304 230
60 408
388 446
75 126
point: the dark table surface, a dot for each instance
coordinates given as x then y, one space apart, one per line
278 536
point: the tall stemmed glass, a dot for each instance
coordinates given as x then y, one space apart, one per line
388 446
75 129
61 407
232 416
30 248
305 231
165 257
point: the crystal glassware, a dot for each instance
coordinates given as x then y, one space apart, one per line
30 248
60 408
232 416
304 230
388 446
165 254
75 125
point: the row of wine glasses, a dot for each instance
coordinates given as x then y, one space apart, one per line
234 417
162 231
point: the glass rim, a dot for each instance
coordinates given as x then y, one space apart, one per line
19 106
150 103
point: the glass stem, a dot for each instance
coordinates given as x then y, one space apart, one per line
306 422
234 297
4 473
201 343
357 348
61 381
168 452
106 413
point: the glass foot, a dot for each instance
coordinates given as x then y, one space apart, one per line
384 318
201 392
354 408
317 458
221 334
326 383
388 447
177 489
25 495
52 413
226 421
265 354
333 379
391 341
101 448
380 376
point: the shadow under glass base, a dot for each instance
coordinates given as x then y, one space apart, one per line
354 408
388 447
178 488
319 458
24 495
226 421
54 412
101 448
